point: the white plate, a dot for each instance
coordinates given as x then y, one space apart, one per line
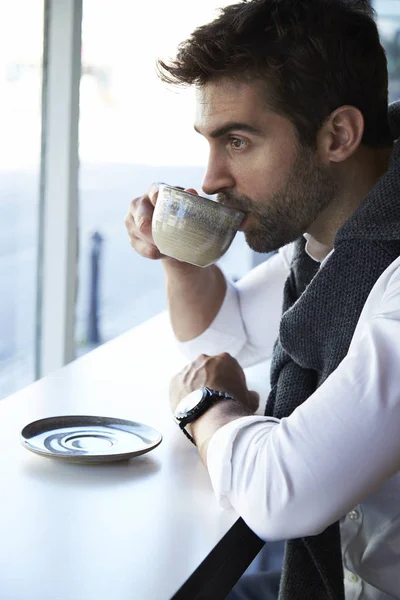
89 439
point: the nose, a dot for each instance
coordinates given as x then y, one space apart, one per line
217 176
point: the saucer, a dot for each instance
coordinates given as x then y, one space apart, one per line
89 439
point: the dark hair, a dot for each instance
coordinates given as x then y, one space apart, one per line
316 55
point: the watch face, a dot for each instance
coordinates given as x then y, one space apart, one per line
188 403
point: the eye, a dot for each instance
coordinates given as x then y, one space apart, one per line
237 144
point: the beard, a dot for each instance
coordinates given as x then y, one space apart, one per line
286 214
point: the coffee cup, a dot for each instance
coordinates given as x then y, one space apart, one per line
191 228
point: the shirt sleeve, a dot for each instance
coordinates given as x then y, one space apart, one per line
290 478
247 323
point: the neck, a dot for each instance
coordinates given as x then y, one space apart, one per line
354 180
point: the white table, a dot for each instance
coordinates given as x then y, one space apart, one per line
145 529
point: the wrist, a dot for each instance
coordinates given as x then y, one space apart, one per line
212 420
172 265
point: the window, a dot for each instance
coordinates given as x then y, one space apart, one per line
21 45
389 28
133 130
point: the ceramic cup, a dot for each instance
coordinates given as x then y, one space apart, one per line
191 228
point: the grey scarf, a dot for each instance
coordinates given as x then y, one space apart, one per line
320 312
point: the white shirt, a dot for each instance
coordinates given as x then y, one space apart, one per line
337 456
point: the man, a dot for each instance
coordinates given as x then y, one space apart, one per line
292 98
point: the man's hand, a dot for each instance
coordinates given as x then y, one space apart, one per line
138 223
223 373
191 309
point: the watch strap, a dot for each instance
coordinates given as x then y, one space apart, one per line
212 396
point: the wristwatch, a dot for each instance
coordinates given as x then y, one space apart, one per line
195 404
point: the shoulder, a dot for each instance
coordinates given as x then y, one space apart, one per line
388 286
384 298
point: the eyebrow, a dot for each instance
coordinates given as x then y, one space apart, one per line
233 126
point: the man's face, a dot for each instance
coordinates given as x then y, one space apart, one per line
257 164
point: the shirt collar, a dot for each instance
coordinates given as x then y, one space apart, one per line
315 250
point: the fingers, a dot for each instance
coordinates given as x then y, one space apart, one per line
142 213
225 356
138 222
145 249
253 400
221 372
152 192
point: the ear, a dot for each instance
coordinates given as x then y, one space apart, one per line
341 134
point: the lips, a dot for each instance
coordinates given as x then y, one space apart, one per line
231 205
226 201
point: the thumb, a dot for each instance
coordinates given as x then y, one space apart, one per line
254 400
191 191
152 192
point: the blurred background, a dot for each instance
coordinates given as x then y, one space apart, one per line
133 130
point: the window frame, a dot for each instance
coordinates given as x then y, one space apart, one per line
58 217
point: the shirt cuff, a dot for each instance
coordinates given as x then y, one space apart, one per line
220 454
225 334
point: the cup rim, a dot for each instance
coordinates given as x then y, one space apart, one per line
177 189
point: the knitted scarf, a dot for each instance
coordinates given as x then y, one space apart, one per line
321 309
